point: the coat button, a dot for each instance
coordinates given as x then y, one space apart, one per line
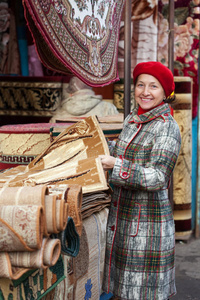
166 114
113 227
138 125
124 174
120 156
115 203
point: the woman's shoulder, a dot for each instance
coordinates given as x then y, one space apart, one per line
168 126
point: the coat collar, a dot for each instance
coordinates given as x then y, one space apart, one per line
156 112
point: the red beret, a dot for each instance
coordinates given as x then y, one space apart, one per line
159 71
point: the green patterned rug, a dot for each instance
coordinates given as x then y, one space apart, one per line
34 284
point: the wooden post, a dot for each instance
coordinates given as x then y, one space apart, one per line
171 36
171 67
127 58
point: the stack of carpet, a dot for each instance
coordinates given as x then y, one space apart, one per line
55 196
71 158
28 218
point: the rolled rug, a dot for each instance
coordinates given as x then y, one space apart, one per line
62 212
56 213
50 208
60 190
14 264
25 195
21 227
6 269
70 241
45 257
74 200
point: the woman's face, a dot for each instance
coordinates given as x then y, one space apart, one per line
148 91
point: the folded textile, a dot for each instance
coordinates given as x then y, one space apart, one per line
21 143
98 208
95 228
84 135
72 158
70 241
94 202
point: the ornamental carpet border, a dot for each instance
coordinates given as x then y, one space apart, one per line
77 36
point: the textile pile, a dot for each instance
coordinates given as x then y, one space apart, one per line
76 150
47 201
84 273
28 215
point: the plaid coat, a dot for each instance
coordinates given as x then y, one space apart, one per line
139 262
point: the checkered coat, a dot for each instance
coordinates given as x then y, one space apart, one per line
139 262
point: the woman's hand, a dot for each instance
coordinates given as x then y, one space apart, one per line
107 161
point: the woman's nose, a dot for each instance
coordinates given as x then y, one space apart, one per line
146 90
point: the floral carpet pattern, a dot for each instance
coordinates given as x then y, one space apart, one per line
186 40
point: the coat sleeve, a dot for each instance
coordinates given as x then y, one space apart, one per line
111 145
155 174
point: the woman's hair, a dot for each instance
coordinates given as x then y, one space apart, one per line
171 98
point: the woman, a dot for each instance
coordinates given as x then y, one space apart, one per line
140 230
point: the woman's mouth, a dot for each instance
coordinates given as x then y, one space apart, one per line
146 99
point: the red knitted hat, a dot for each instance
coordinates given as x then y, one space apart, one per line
159 71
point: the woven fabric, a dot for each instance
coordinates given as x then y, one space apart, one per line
21 143
76 150
77 36
84 273
35 284
30 96
21 227
69 238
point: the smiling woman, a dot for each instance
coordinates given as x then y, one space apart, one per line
148 91
140 230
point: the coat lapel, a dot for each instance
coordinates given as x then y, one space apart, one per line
150 115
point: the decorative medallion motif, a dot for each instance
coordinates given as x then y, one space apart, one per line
77 36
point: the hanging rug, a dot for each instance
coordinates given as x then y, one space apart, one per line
79 37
